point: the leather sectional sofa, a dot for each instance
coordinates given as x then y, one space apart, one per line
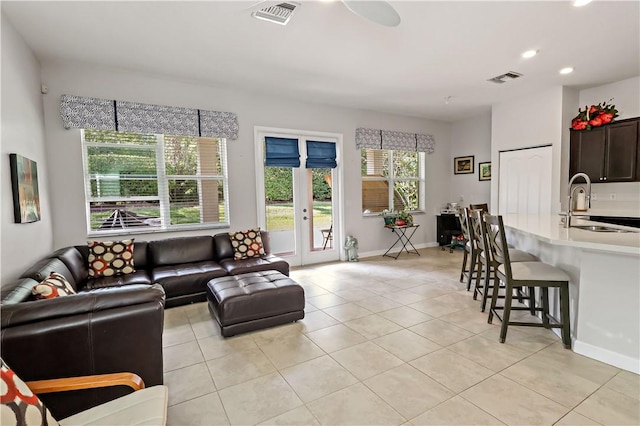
112 324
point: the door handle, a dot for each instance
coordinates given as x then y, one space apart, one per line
304 217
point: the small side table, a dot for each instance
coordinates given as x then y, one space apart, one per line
404 234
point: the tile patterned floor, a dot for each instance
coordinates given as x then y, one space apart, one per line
388 342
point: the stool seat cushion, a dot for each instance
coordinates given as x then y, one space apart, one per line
516 255
144 407
254 300
535 271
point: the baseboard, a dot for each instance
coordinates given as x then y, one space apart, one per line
381 252
613 358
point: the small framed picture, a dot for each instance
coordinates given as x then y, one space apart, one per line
463 165
484 171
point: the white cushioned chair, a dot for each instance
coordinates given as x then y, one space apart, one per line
20 404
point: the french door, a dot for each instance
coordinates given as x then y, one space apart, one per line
299 205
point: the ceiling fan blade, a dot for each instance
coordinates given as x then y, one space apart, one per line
379 12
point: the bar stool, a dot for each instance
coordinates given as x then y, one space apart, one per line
526 274
470 248
484 207
488 265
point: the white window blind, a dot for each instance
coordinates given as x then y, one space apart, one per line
150 182
392 180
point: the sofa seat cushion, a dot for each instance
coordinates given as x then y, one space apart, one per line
255 264
137 277
188 278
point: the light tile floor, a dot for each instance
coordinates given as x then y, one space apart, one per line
386 342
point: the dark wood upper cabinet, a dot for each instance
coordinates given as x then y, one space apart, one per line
608 153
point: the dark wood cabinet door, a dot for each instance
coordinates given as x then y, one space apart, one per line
622 150
588 153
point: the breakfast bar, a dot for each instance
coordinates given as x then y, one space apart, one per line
605 281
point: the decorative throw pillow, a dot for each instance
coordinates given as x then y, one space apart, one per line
55 285
109 258
247 244
18 405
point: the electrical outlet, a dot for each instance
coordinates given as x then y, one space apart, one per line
594 196
612 196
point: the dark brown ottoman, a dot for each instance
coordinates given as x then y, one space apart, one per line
255 300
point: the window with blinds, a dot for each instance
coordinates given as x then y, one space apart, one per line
392 180
151 182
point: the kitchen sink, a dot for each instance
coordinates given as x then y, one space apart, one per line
600 228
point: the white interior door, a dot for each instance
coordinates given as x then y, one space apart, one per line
524 185
299 206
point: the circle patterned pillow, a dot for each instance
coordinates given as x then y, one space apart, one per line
55 285
247 244
109 258
18 405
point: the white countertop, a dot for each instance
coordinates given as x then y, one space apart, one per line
548 228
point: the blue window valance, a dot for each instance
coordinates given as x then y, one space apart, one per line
281 152
80 112
321 155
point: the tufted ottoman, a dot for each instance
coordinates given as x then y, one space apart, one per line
255 300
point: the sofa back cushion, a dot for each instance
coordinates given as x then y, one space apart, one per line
76 262
17 291
174 251
44 267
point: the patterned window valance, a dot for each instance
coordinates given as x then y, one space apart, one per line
102 114
385 139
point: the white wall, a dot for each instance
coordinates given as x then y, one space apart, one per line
22 133
471 136
526 122
253 109
625 95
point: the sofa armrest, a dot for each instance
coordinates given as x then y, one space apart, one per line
86 382
96 332
81 303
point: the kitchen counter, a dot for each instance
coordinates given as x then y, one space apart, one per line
604 286
549 229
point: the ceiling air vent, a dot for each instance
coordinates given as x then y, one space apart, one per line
511 75
280 13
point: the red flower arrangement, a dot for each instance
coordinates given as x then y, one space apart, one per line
594 116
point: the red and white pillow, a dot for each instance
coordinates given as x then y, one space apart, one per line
109 258
247 244
55 285
18 405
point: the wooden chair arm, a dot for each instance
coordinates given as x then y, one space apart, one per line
86 382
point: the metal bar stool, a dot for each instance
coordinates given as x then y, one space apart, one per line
526 274
488 265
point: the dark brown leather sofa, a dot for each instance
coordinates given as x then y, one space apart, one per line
112 324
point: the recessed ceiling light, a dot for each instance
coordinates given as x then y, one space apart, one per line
580 3
567 70
529 54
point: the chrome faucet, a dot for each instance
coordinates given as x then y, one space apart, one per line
567 222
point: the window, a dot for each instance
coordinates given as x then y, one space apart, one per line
150 182
392 180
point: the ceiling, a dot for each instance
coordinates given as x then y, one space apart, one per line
328 55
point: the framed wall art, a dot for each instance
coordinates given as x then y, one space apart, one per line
484 171
24 182
463 165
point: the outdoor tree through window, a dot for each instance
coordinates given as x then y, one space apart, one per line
391 180
148 181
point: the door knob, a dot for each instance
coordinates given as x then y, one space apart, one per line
304 217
